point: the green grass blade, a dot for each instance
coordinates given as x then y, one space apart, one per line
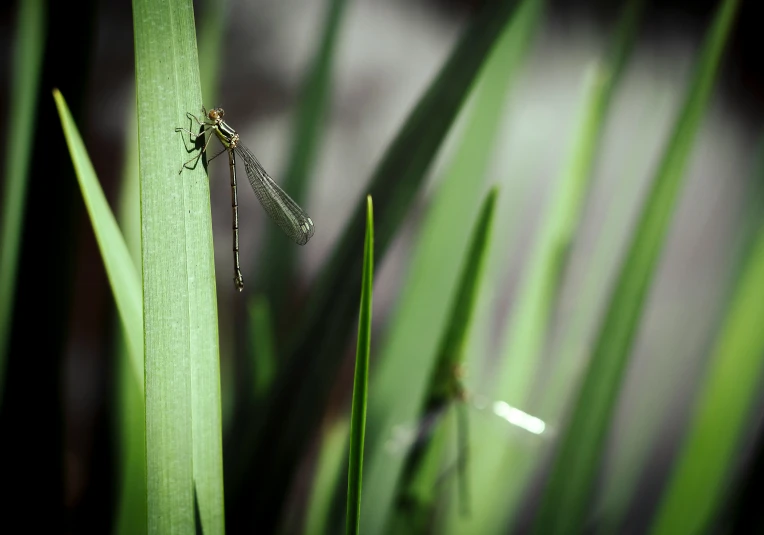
566 498
327 477
264 351
129 398
309 124
29 44
711 453
496 497
120 269
183 411
422 468
331 308
212 35
361 382
539 288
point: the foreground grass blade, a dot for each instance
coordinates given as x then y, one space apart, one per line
725 402
278 255
416 490
183 413
29 44
307 379
120 269
361 381
566 497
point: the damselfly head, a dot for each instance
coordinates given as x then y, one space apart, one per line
216 114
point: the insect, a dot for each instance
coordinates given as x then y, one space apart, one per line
277 204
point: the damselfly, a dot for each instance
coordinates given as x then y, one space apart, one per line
277 204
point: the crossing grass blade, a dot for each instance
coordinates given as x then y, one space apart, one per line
330 309
29 44
566 497
416 496
707 461
309 122
526 333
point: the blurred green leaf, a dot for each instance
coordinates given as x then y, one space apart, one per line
416 494
525 336
212 37
361 382
328 469
309 123
708 459
263 353
566 497
29 44
305 381
129 398
183 427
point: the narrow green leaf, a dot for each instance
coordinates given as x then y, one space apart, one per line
417 486
264 352
130 400
361 381
183 410
278 254
327 477
120 269
525 336
711 453
566 498
28 44
212 36
331 307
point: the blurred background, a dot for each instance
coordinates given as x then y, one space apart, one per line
58 417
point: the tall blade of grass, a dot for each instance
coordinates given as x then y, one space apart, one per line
129 397
120 269
305 381
183 413
495 497
420 317
566 498
329 466
212 33
29 44
361 381
416 496
264 348
706 463
277 265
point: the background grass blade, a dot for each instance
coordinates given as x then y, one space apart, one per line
309 123
263 351
526 334
29 44
329 466
129 396
401 380
119 266
709 457
566 497
306 380
416 495
183 422
361 381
